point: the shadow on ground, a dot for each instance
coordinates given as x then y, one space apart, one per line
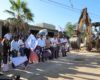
72 67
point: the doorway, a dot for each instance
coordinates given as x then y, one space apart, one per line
4 30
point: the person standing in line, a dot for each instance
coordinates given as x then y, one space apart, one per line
8 36
58 46
22 49
54 44
63 42
6 47
48 47
21 46
14 48
40 44
48 43
30 44
14 44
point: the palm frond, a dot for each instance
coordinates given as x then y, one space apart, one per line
11 1
19 3
21 14
23 5
14 5
26 10
11 19
29 16
10 12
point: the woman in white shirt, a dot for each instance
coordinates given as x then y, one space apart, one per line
14 44
21 46
14 48
63 42
54 45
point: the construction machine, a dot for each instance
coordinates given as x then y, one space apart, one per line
87 33
96 26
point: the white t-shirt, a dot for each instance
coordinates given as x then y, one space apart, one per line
14 45
54 42
31 42
63 40
21 43
41 42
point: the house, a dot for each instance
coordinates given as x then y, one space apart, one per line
8 27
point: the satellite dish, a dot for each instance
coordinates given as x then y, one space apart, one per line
43 32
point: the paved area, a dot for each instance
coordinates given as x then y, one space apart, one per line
76 66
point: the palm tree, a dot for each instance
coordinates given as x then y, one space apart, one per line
20 13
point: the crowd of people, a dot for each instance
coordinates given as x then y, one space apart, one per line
35 48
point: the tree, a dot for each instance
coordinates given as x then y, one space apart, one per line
20 13
69 29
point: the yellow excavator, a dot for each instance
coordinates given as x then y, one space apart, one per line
87 33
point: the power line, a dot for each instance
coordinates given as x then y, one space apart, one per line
71 8
61 5
68 7
64 5
71 3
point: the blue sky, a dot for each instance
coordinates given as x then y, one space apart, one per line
45 11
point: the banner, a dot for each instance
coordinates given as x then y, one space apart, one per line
19 60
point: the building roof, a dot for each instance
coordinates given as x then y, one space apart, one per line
34 27
46 25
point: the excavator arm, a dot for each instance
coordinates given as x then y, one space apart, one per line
84 19
88 34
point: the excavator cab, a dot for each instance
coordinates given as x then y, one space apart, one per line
97 35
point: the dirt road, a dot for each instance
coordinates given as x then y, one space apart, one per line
76 66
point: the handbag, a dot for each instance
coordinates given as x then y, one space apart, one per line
33 57
47 53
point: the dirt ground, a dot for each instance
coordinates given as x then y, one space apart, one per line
76 66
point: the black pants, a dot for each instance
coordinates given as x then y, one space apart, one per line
27 53
63 52
41 57
13 66
58 47
55 52
39 51
5 59
52 55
